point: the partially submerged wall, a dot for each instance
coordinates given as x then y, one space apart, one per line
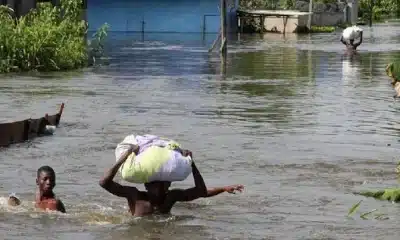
277 24
324 14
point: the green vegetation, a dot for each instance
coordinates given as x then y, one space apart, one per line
393 71
398 168
322 29
377 216
369 11
316 29
390 194
48 38
276 4
354 208
378 10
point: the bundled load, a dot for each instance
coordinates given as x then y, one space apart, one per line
351 33
158 160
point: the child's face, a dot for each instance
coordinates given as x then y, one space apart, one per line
46 182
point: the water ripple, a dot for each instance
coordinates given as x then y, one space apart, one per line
296 120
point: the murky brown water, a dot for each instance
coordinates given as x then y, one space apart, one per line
295 120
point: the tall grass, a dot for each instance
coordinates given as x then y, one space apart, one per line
393 70
48 38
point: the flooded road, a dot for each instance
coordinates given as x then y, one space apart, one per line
297 121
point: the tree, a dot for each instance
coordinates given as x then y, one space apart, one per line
378 9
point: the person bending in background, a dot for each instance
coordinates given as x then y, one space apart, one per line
158 198
351 46
45 198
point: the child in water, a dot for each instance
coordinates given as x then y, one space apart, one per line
45 198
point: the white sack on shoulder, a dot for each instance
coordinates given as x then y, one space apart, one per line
352 33
124 146
157 160
143 142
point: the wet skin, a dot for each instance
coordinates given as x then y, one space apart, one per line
45 198
352 47
158 198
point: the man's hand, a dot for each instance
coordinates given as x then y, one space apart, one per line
229 189
115 188
132 148
186 153
232 189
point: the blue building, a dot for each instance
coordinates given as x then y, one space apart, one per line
178 16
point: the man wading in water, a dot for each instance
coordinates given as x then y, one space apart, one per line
352 47
158 199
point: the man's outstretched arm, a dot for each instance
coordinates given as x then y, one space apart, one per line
229 189
198 191
187 195
112 187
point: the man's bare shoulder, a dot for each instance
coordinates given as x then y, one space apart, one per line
60 205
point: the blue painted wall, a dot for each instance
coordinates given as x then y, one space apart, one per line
184 16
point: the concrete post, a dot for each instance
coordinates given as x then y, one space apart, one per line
233 28
26 6
12 4
353 7
310 10
223 25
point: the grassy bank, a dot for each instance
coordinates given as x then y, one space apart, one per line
322 29
48 38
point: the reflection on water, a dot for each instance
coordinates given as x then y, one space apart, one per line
158 230
295 119
350 68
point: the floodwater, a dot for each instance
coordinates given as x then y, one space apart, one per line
297 121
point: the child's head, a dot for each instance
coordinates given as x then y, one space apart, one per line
46 180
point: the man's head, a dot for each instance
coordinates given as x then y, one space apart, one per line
158 188
46 179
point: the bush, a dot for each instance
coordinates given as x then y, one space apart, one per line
48 38
322 29
393 71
